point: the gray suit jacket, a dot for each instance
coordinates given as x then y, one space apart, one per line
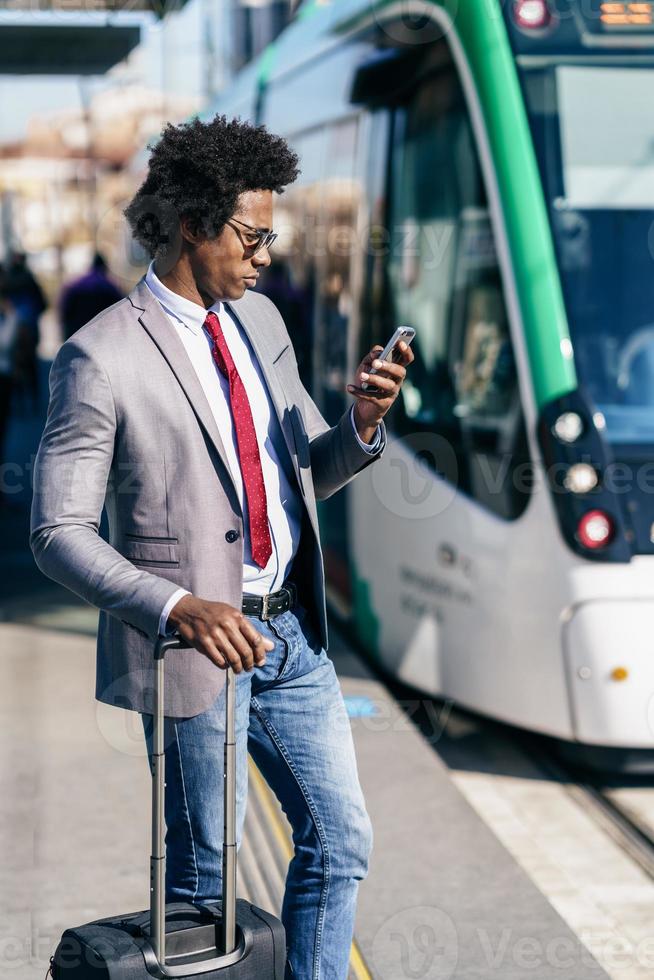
130 427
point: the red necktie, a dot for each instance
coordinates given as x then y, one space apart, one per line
248 449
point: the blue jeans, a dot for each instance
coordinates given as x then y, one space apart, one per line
291 718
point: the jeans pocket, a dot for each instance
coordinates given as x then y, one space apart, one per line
286 657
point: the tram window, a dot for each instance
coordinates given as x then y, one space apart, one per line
291 279
340 196
443 279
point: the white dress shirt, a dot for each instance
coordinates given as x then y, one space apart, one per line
284 501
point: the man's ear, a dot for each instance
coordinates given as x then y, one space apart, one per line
191 229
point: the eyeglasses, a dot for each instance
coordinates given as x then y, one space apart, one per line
256 238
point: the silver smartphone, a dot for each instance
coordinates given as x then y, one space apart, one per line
401 333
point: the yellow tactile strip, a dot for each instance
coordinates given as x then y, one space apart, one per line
262 875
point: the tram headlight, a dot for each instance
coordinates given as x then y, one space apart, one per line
595 529
532 14
581 478
568 427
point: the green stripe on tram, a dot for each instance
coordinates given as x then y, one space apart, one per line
483 33
266 62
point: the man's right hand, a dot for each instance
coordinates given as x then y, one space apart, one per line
224 634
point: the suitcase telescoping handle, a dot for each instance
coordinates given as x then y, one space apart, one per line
158 857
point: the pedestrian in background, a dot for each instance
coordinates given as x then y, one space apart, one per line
9 329
29 303
87 296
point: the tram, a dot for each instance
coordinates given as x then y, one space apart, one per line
484 172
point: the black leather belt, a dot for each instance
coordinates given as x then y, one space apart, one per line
267 606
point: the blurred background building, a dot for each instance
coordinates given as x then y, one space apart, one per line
83 89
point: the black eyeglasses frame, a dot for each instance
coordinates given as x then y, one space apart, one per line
265 236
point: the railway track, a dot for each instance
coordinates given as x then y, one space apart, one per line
622 823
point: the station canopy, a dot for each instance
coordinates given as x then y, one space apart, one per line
72 37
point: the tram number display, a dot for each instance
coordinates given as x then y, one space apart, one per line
623 15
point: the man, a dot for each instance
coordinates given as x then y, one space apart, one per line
9 333
87 296
29 302
183 404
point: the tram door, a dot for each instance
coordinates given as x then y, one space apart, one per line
459 413
313 280
341 195
443 278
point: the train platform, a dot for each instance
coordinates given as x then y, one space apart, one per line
444 897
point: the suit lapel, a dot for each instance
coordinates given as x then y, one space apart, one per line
265 344
267 348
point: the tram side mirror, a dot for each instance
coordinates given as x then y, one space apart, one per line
385 77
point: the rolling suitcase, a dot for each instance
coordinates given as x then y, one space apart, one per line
228 940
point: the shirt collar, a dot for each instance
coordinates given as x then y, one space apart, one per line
190 314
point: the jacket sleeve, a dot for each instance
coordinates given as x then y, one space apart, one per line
336 453
71 473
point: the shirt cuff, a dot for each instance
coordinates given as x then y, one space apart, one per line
174 599
369 447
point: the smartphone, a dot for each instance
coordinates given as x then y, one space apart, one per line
401 333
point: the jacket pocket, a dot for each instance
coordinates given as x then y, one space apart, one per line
143 549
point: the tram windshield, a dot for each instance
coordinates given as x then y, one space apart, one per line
593 128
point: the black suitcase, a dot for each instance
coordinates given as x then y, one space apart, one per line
228 940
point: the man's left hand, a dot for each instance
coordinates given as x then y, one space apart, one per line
373 403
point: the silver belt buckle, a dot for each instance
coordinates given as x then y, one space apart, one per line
264 610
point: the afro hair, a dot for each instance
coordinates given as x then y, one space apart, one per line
197 170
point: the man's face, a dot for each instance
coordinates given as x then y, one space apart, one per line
224 267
